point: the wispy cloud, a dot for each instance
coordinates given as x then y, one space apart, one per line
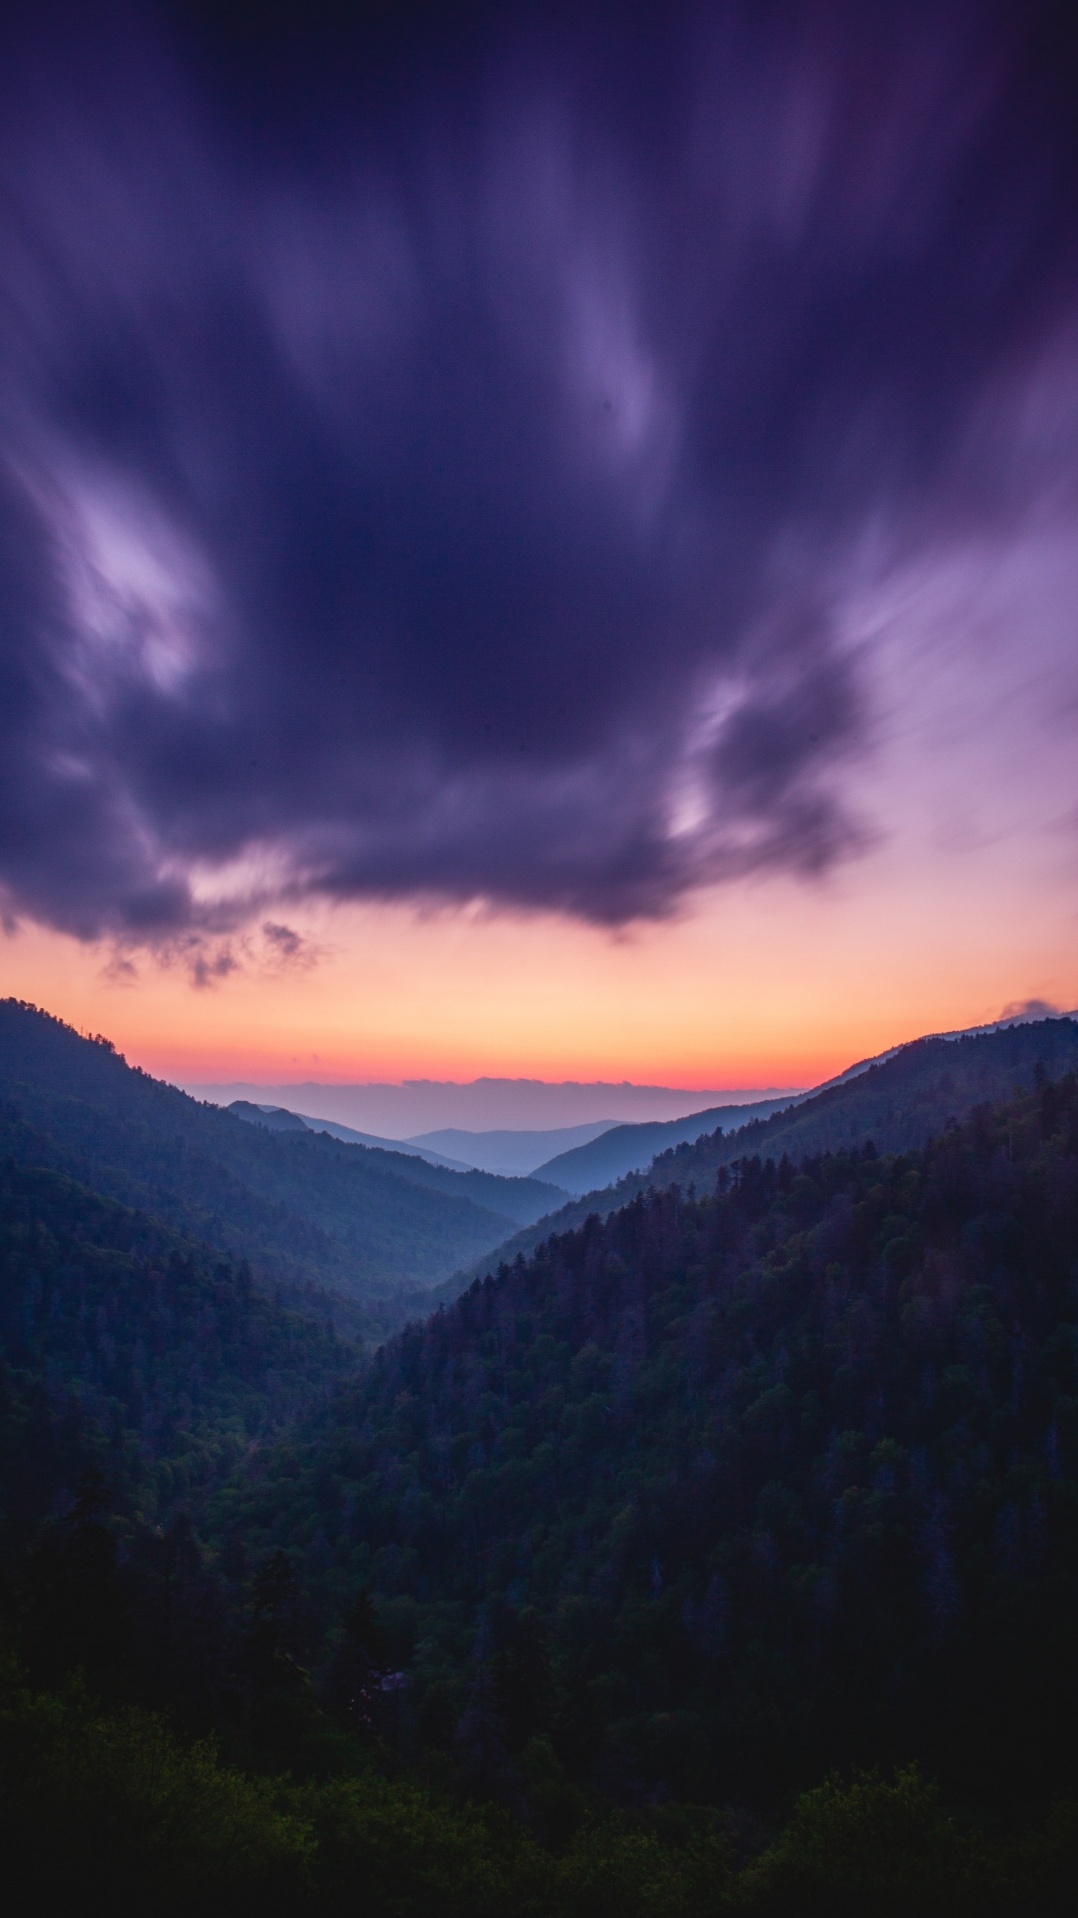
451 479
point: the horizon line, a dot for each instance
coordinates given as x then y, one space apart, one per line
486 1079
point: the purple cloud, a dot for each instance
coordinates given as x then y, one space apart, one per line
435 463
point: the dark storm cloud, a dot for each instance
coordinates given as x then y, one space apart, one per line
436 460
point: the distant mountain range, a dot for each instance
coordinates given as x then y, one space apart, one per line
631 1148
899 1101
509 1151
419 1108
368 1231
899 1097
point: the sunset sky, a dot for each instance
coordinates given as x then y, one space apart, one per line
538 540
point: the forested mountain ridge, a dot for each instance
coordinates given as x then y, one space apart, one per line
725 1491
899 1103
632 1148
510 1195
370 1229
125 1347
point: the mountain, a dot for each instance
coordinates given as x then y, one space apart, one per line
408 1148
631 1148
724 1492
421 1106
556 1604
511 1152
356 1233
125 1346
522 1199
273 1118
1034 1012
282 1119
900 1102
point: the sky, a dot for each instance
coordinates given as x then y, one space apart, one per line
537 541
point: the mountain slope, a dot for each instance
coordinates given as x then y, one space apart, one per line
404 1147
510 1152
724 1492
900 1103
631 1148
125 1345
897 1104
283 1119
521 1199
312 1214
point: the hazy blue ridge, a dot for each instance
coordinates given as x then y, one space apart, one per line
522 1200
408 1150
631 1148
511 1151
282 1119
272 1118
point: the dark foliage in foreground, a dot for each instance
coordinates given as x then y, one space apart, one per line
106 1806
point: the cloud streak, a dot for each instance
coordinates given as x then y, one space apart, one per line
440 469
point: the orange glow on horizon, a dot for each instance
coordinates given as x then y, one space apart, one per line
772 984
964 901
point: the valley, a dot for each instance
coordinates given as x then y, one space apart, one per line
748 1476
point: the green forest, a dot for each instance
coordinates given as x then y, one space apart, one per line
718 1556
